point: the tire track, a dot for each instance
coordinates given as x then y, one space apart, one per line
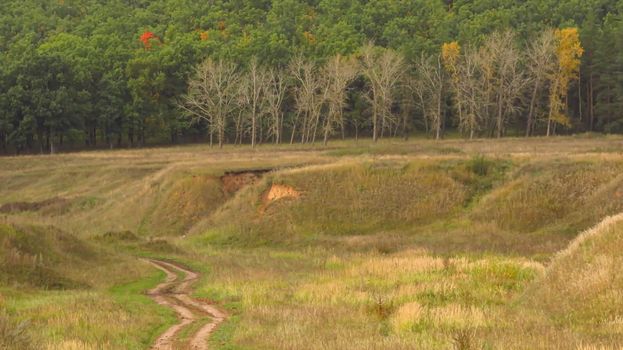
174 293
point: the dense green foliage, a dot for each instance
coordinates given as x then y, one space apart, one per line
75 73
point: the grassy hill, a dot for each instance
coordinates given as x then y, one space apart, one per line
582 286
396 245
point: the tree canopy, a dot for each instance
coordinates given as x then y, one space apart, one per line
94 73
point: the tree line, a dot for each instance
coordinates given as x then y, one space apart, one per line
485 88
81 74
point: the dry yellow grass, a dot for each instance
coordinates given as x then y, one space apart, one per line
583 284
391 245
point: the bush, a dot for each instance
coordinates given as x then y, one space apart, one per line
480 165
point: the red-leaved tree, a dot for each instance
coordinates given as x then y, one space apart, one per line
145 39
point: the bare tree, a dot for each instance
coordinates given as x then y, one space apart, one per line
429 88
241 122
310 95
451 58
212 94
541 66
471 94
339 72
465 84
274 94
499 60
383 69
255 81
304 89
408 102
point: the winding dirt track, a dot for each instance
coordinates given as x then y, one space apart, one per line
174 292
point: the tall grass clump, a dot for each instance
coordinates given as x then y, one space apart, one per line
480 165
14 335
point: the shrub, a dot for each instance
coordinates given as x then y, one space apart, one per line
480 165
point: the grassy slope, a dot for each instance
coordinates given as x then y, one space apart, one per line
346 253
582 287
393 244
63 286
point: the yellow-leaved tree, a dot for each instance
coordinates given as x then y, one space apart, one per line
450 54
568 51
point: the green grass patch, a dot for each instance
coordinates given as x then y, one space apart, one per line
134 300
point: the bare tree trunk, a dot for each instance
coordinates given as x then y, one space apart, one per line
293 131
238 127
316 121
304 129
499 120
374 124
439 112
404 127
280 135
253 127
438 130
51 143
326 132
532 107
549 125
439 99
253 111
422 107
580 95
382 128
591 106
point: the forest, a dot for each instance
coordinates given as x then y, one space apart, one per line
81 74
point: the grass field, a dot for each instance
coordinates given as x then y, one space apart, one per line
394 245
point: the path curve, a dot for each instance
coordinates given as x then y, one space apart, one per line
174 293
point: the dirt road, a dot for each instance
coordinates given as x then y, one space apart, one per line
198 315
